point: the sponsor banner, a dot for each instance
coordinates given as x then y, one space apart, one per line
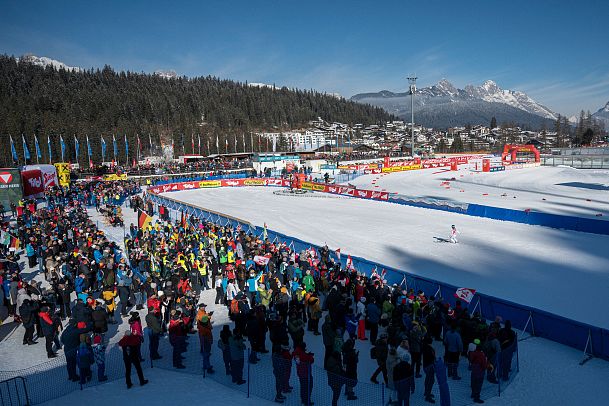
232 182
327 166
10 186
401 168
49 174
210 183
189 185
113 176
313 186
497 169
253 182
63 174
274 182
372 171
33 182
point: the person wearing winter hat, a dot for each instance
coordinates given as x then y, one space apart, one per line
403 380
99 354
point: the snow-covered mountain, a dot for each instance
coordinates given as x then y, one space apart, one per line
45 61
603 115
166 74
472 104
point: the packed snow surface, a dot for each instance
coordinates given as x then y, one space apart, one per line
532 265
557 190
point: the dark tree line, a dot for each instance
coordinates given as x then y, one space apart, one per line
45 102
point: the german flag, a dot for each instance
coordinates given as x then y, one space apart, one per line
15 243
143 219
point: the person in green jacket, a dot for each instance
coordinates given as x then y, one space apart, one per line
308 282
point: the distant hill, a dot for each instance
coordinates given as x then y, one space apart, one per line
45 97
603 115
443 105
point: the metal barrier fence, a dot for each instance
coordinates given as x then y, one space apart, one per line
13 392
578 161
49 380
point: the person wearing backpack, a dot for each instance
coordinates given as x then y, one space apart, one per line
380 351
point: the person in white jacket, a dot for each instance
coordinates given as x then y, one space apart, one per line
453 234
231 291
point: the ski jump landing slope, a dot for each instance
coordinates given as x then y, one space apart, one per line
562 272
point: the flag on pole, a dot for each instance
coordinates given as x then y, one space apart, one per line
218 144
383 273
261 260
103 149
265 232
143 219
63 147
192 142
50 149
38 152
126 150
374 274
139 146
13 150
199 136
465 294
76 147
150 141
115 146
89 153
26 151
403 283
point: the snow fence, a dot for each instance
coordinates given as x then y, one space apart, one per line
591 340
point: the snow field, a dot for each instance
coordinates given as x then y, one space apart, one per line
557 190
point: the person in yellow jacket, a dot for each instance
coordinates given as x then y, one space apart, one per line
201 265
265 295
108 295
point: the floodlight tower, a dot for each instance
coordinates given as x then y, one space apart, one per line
412 80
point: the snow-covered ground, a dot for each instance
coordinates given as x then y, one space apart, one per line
532 265
558 190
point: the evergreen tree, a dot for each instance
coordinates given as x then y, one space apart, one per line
457 145
493 122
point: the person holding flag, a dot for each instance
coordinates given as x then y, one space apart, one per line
143 219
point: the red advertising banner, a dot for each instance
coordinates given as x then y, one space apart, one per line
33 182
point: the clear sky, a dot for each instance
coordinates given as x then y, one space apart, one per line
555 51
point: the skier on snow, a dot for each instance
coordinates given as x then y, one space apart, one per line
453 234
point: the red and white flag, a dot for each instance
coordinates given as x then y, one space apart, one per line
349 265
338 253
465 294
383 273
260 260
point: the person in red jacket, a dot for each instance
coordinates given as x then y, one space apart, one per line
177 338
479 365
130 345
304 361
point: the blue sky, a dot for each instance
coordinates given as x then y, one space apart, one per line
556 51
